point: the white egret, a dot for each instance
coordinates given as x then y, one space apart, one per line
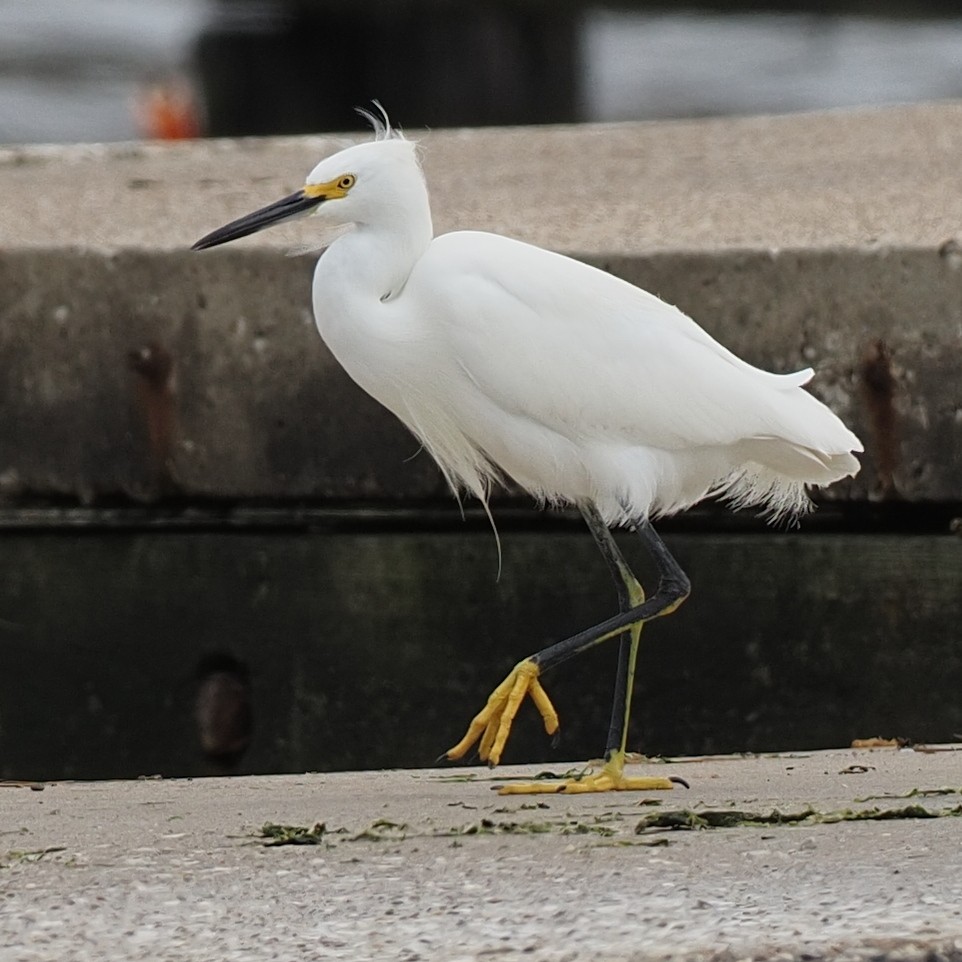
509 361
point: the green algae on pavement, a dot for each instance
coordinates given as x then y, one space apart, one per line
688 820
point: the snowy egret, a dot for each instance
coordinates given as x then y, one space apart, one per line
509 361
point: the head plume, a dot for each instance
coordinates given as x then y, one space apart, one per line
380 122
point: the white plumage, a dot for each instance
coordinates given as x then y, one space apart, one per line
508 360
504 358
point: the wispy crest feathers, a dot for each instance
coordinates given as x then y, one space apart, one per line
379 121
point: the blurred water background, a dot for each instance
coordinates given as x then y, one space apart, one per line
71 71
74 71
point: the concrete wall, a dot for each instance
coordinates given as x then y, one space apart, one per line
129 366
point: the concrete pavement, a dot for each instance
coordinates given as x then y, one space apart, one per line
432 865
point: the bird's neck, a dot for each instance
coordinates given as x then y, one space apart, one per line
373 262
357 282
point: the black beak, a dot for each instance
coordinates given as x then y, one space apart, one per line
290 206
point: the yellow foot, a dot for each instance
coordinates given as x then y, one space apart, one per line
611 778
492 724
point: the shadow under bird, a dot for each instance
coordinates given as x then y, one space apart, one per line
507 360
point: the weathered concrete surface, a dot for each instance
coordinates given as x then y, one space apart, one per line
431 866
824 239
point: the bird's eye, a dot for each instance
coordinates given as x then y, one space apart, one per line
346 182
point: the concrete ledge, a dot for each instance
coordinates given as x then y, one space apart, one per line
134 367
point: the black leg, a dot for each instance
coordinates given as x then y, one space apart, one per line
610 552
620 573
493 723
673 589
621 698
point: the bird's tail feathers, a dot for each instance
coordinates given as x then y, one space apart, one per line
777 476
755 486
795 461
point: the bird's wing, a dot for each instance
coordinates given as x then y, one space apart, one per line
588 355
